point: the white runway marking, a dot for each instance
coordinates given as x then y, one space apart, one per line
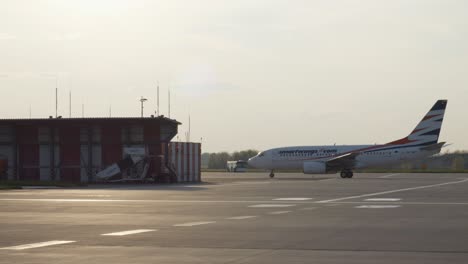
94 195
38 245
249 182
39 187
376 206
241 217
195 223
393 191
308 208
271 205
130 232
382 200
292 199
279 212
410 203
390 175
332 205
136 201
66 200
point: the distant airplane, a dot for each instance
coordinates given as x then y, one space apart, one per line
421 143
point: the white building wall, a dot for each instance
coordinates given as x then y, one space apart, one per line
185 158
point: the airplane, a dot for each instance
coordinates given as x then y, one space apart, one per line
420 143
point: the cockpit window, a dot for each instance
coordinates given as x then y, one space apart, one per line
261 154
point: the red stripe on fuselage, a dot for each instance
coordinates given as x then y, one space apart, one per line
401 141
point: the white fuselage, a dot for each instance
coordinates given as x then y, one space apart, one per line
293 158
421 142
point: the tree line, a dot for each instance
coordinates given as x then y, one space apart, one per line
218 160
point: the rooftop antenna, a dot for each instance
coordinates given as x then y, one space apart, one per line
157 102
82 109
56 96
142 100
169 104
110 110
70 106
30 111
188 129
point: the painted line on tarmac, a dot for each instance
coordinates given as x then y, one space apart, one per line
271 205
279 212
65 200
293 199
194 224
138 201
129 232
393 191
241 217
382 200
390 175
406 203
40 187
247 182
38 245
308 208
93 195
376 206
333 205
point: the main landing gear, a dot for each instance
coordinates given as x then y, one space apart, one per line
272 174
346 174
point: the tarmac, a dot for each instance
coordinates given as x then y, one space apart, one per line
243 218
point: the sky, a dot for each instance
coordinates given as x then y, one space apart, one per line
250 74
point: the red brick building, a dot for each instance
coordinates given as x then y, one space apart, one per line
74 149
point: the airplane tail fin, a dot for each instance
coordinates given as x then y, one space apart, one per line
428 130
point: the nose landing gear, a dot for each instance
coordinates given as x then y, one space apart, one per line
346 174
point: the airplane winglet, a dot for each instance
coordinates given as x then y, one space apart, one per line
436 146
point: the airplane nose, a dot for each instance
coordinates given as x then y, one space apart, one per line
251 162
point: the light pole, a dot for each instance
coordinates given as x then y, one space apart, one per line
142 100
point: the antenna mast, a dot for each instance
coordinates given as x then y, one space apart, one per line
169 104
157 102
56 96
70 104
142 100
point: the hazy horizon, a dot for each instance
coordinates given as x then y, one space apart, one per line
251 74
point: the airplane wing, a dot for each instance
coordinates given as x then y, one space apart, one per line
344 161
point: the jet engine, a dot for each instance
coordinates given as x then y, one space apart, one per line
314 167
